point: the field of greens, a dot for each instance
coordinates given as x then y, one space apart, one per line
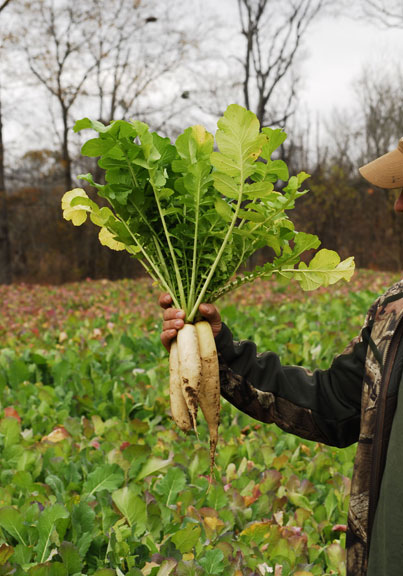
94 477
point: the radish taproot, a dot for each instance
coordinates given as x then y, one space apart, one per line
193 214
190 368
194 381
209 395
179 410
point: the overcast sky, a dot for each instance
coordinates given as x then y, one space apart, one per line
336 51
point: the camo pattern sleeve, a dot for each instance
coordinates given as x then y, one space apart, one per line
323 405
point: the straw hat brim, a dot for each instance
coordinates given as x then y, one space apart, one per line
387 170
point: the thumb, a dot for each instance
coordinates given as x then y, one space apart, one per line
212 315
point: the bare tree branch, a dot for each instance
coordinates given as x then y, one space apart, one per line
388 13
52 67
4 4
273 32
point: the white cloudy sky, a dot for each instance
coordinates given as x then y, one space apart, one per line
336 50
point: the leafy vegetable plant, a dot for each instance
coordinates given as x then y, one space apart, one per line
193 215
87 446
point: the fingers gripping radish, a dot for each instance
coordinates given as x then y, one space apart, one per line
209 394
179 409
190 368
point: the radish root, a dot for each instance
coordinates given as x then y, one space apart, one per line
179 409
190 368
194 381
209 396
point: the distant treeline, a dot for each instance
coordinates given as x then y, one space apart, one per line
47 249
354 219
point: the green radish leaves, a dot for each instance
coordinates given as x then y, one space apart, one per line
239 142
325 268
193 215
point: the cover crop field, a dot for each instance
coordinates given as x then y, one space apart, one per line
95 479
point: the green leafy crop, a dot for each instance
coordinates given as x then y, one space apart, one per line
193 215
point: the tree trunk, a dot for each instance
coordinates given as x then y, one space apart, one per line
65 151
5 251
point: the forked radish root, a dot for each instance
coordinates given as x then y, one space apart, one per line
194 380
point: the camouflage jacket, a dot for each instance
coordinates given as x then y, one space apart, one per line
345 404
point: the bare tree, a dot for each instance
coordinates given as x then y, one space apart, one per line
259 66
107 59
381 103
273 32
103 56
389 13
5 250
137 45
4 4
372 124
380 95
55 39
349 214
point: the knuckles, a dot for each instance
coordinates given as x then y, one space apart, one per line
170 319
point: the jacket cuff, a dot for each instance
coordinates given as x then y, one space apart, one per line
225 343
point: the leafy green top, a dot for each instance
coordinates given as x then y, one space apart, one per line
191 215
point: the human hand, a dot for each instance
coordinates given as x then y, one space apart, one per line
174 319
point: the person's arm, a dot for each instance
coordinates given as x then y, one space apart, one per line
324 405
